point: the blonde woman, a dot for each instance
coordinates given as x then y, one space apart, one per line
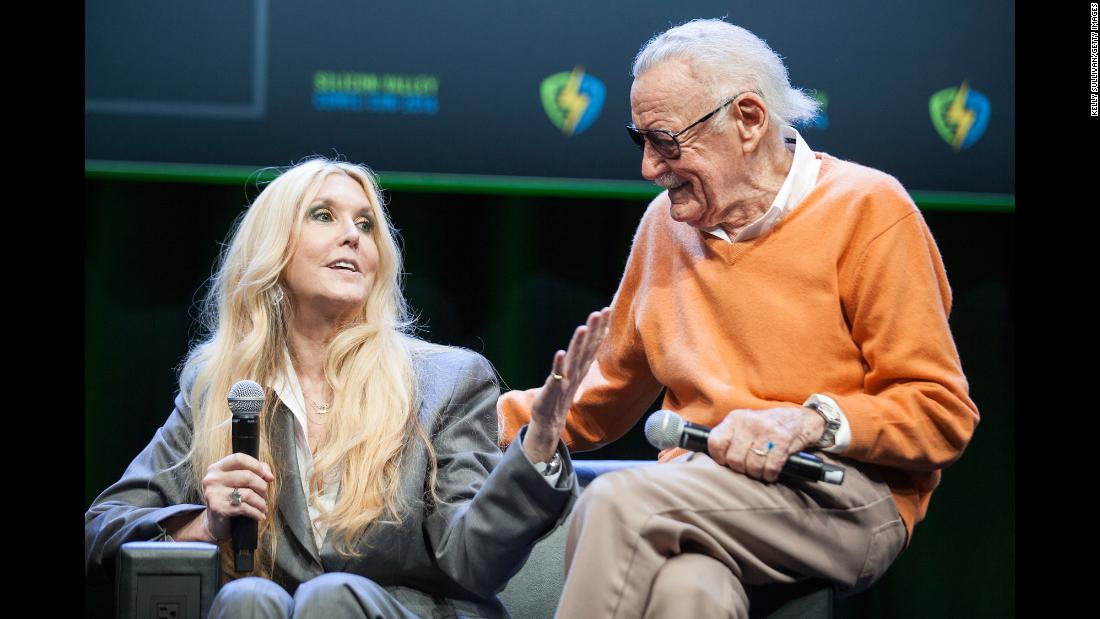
379 490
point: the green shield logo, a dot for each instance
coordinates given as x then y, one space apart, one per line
960 115
572 100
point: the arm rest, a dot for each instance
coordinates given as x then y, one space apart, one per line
175 580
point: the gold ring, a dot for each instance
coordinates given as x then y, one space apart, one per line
764 452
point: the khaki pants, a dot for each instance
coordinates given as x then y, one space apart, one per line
682 539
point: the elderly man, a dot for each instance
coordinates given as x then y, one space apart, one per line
789 298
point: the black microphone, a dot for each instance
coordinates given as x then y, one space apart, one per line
665 429
246 398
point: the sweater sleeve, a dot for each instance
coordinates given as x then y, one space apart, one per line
914 412
620 385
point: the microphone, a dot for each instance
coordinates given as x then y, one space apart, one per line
246 398
666 429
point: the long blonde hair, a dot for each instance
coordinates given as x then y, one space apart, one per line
369 367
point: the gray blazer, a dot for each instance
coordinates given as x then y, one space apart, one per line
445 558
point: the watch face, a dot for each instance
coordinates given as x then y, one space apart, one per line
832 419
832 424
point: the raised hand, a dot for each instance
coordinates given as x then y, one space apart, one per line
556 395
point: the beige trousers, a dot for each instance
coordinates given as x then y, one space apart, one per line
682 539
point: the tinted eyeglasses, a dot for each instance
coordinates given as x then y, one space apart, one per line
663 140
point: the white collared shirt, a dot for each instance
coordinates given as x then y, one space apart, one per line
800 180
289 391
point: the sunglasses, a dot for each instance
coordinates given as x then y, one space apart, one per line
663 140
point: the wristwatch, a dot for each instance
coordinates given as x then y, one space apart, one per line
549 468
830 414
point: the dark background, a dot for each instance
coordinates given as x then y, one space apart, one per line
510 275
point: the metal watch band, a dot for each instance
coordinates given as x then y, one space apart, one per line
549 468
832 422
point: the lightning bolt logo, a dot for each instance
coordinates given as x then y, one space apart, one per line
572 101
960 116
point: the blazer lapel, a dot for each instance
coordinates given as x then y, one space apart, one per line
332 560
381 538
292 501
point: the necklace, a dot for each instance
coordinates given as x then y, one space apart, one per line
322 407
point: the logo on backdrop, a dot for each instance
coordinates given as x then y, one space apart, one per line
821 120
572 100
386 93
960 115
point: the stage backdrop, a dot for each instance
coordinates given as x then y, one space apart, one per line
922 90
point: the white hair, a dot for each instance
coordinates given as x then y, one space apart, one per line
733 60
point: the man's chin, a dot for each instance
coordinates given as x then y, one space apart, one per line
685 212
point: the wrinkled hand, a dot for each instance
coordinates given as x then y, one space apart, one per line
778 433
249 477
556 395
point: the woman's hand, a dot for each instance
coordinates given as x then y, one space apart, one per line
556 395
235 472
245 474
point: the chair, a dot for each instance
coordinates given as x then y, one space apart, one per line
157 579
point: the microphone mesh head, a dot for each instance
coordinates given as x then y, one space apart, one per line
246 397
663 429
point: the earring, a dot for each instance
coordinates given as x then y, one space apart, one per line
277 294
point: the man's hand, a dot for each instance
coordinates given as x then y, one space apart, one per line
556 395
757 443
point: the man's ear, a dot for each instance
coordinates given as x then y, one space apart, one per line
750 117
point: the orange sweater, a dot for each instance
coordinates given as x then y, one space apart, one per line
846 296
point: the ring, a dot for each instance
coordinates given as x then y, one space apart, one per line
556 376
763 452
235 497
